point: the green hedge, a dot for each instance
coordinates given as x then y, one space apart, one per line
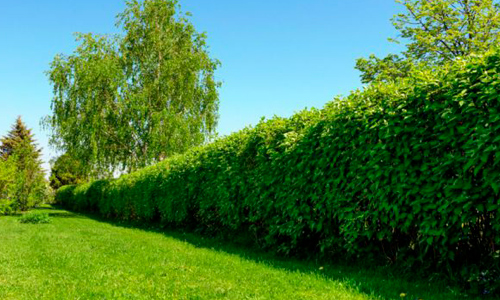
406 171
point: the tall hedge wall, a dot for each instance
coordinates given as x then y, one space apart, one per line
405 171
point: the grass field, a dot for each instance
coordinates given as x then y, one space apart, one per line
79 257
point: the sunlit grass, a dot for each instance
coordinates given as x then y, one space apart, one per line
76 257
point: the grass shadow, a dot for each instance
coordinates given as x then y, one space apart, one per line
46 207
66 215
384 282
14 214
58 212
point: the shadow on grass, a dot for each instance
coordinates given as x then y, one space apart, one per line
46 207
14 214
57 212
382 282
66 215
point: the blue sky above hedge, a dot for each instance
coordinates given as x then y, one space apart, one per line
277 56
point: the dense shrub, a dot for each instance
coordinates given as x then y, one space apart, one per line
35 217
406 171
7 207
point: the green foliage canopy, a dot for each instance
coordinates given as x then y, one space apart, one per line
436 32
7 177
127 101
30 186
66 170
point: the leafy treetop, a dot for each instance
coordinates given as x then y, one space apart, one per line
126 101
436 32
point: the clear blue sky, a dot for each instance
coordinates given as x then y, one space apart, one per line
278 56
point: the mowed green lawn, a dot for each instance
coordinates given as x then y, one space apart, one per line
77 257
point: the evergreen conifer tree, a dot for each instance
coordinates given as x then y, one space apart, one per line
19 147
16 136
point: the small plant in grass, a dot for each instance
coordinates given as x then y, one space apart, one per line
35 218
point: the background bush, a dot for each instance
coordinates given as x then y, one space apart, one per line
7 207
35 217
406 172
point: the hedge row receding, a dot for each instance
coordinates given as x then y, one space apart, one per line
405 171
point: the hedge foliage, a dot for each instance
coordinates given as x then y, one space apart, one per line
405 171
